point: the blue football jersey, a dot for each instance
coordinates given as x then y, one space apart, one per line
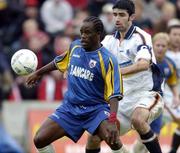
168 69
93 77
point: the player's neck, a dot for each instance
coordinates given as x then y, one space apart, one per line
94 47
159 60
123 33
122 36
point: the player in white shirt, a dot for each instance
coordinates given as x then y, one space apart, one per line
161 43
142 102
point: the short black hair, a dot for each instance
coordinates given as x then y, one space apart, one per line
125 5
97 24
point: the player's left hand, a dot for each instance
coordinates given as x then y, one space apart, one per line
113 133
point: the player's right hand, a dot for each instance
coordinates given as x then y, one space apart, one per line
32 79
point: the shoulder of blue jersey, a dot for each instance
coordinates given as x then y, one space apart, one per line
170 61
75 43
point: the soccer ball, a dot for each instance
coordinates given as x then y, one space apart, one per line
24 62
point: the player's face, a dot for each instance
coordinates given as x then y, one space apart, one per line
89 38
174 36
160 47
122 19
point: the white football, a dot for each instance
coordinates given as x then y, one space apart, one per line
24 62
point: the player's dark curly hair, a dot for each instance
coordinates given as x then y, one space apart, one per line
125 5
98 25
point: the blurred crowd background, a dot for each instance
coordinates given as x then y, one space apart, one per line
47 27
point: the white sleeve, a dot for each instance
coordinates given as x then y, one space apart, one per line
143 51
107 42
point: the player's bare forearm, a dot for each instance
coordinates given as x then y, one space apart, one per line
140 65
34 77
113 134
47 68
113 104
177 120
175 91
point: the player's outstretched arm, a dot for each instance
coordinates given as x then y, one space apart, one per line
140 65
176 100
34 77
177 120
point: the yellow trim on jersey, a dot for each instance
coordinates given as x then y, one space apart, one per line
103 71
121 82
109 76
72 50
64 62
172 80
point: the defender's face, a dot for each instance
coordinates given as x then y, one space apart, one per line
88 35
160 47
122 19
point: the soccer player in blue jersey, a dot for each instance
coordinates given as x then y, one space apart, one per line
174 54
142 79
160 44
94 89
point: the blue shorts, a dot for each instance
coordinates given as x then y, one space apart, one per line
156 125
75 119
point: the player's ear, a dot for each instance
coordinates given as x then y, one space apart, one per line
98 34
132 17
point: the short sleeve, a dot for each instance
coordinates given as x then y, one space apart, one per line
173 79
143 52
106 42
144 49
113 80
62 61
